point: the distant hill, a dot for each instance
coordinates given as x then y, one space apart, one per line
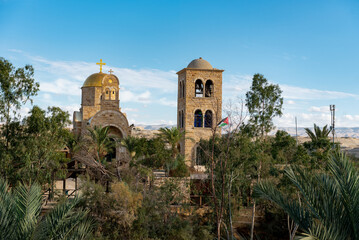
155 127
339 132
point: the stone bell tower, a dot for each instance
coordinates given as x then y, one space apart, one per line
199 107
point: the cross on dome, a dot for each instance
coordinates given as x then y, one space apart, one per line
110 71
100 63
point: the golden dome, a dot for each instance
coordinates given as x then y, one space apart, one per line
94 80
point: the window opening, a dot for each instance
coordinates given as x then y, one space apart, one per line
198 88
208 119
182 121
209 88
198 118
183 90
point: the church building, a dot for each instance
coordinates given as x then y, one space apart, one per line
199 107
100 106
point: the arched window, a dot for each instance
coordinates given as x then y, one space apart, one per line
182 120
198 118
209 88
108 93
198 88
113 94
183 90
208 119
180 90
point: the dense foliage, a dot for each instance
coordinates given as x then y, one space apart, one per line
20 209
126 197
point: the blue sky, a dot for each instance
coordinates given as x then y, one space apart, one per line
309 48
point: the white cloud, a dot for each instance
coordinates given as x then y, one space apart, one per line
61 86
322 109
166 102
292 92
129 96
70 109
290 102
133 78
15 50
240 84
303 119
47 96
129 110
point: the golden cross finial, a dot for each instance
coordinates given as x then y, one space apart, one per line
100 63
110 71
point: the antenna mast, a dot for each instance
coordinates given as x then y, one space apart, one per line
296 130
332 113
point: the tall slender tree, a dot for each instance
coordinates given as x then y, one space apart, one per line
264 102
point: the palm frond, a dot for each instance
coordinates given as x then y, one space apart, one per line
27 200
330 201
65 222
7 219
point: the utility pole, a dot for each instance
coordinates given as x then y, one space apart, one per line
332 114
296 130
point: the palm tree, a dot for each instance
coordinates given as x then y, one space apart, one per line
319 138
100 142
20 216
131 144
330 201
172 136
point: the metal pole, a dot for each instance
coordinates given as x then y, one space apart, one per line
296 130
332 113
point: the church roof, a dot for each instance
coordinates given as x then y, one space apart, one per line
94 80
200 64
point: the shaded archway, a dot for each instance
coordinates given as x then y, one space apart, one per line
115 136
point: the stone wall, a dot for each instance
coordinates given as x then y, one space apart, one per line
190 103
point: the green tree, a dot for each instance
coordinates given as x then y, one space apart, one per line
264 102
132 146
33 153
319 138
283 147
172 136
20 209
17 86
99 142
319 145
329 206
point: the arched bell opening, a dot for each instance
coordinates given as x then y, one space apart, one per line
198 88
209 88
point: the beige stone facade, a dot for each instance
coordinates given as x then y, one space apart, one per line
100 106
199 106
